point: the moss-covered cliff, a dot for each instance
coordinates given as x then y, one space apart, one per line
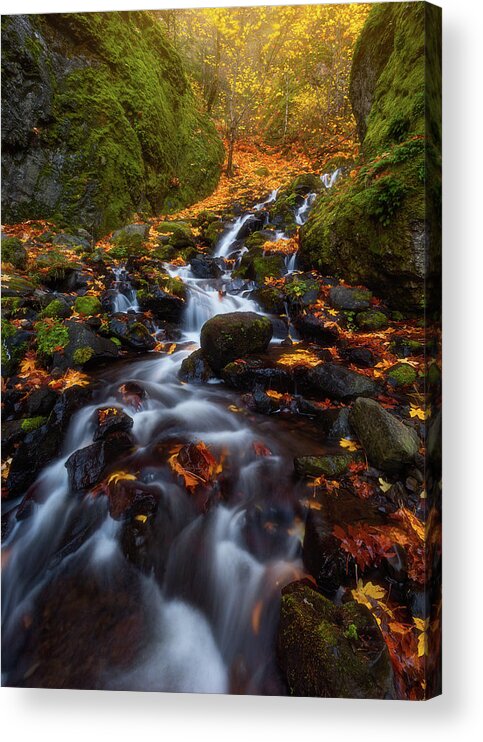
381 226
99 121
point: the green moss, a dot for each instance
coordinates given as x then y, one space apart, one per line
134 135
371 320
51 335
116 341
373 228
82 355
11 306
14 252
87 305
55 308
32 423
401 374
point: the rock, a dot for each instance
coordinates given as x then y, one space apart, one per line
14 252
127 499
261 402
111 420
361 357
138 230
72 241
84 346
254 224
86 466
401 374
353 300
40 402
16 286
371 320
334 423
379 231
226 337
131 332
180 234
270 299
329 465
301 289
12 434
53 161
404 347
314 329
42 445
388 443
87 305
328 650
258 267
164 305
202 266
328 380
195 368
256 372
14 346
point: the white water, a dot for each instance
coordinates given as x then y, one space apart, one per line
330 179
125 299
202 633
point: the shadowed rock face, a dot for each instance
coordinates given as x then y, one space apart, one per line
226 337
70 115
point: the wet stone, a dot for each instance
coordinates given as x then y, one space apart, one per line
111 420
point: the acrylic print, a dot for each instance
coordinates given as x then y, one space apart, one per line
221 350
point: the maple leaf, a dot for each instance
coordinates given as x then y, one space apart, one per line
419 412
261 449
365 593
195 464
385 486
347 443
422 625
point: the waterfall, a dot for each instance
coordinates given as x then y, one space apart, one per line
329 179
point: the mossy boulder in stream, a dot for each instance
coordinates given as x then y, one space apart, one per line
226 337
99 121
331 651
381 227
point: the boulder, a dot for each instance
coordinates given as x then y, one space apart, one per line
254 224
14 252
371 320
389 444
131 332
203 266
327 650
226 337
401 374
328 380
87 466
361 357
164 305
257 372
349 299
84 346
195 368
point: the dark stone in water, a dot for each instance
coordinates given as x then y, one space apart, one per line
203 266
87 466
195 368
111 420
128 499
256 372
226 337
131 332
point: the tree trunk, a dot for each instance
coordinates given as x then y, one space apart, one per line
229 161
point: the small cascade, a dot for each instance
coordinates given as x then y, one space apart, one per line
229 237
272 197
302 213
330 179
291 262
125 298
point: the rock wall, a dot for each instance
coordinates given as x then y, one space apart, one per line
99 121
381 226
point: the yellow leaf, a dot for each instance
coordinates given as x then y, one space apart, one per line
385 486
346 443
120 476
141 518
363 594
418 412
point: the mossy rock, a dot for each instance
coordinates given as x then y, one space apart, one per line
121 129
87 305
327 650
195 368
371 320
14 252
226 337
12 307
180 234
270 299
29 424
56 309
82 355
389 444
329 465
16 286
213 231
401 374
379 227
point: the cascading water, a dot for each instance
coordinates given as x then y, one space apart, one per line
125 298
210 602
330 179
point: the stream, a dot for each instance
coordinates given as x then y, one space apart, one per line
203 617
